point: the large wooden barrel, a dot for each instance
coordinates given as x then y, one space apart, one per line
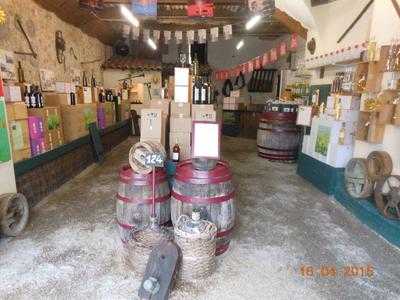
278 137
134 200
212 192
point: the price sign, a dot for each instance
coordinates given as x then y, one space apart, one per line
154 160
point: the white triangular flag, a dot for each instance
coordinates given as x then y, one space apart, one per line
178 37
228 31
156 35
167 36
202 33
214 34
146 34
190 36
126 29
135 33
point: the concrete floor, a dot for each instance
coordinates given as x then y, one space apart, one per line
71 248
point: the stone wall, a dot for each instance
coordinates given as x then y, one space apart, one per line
40 26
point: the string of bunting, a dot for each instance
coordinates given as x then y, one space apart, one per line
200 35
269 57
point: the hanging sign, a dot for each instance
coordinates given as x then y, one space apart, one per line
214 32
227 32
202 34
126 29
256 63
200 8
145 7
167 36
265 59
273 55
251 67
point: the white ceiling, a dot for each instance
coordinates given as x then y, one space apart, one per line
299 10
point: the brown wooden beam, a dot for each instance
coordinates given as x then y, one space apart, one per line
291 24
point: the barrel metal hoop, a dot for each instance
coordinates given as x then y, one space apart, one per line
127 175
125 226
144 201
224 233
198 200
280 150
221 173
278 157
279 130
222 249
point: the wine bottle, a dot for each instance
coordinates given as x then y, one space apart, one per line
26 97
176 152
72 98
21 75
84 79
203 93
32 97
93 80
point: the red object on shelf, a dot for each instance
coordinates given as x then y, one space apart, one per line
200 8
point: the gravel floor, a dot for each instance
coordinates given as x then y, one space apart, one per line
71 248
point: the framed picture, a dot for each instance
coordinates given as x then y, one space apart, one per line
206 140
47 80
323 140
7 65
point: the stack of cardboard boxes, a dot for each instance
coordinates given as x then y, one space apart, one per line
234 102
36 135
181 128
154 122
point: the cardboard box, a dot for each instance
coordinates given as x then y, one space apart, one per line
12 93
183 139
16 111
53 99
182 90
52 125
347 102
36 127
151 124
138 108
95 94
160 104
63 87
124 110
202 107
105 114
19 134
38 146
76 120
181 124
205 116
84 95
180 109
53 139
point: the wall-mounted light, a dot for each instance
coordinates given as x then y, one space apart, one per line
240 45
152 44
129 16
253 21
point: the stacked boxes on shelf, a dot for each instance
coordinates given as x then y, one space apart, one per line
234 102
332 137
36 135
52 125
181 128
153 125
76 120
17 116
105 114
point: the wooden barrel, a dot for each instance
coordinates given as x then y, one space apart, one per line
134 200
212 192
278 137
357 181
380 164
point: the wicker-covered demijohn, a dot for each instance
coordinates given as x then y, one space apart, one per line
197 240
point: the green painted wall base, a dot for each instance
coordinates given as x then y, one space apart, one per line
331 181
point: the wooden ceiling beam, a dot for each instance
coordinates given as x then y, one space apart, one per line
291 24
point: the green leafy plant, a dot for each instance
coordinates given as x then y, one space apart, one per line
53 122
323 139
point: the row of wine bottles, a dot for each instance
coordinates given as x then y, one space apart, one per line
201 92
33 97
85 83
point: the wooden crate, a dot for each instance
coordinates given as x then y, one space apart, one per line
376 131
375 71
363 126
396 117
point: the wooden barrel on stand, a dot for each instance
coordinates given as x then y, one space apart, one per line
134 200
212 192
278 137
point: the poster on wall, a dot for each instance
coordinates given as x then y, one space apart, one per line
323 140
5 154
47 80
145 7
7 65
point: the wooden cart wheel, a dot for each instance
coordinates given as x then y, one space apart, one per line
14 214
379 165
138 153
357 181
387 196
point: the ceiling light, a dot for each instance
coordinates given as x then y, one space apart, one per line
152 44
253 21
129 16
240 45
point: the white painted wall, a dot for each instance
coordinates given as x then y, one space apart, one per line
380 23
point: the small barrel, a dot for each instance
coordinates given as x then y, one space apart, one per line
212 192
380 165
134 200
278 137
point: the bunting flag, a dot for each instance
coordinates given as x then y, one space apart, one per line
269 57
202 36
167 37
178 37
190 36
214 32
156 35
146 34
126 29
135 33
227 32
